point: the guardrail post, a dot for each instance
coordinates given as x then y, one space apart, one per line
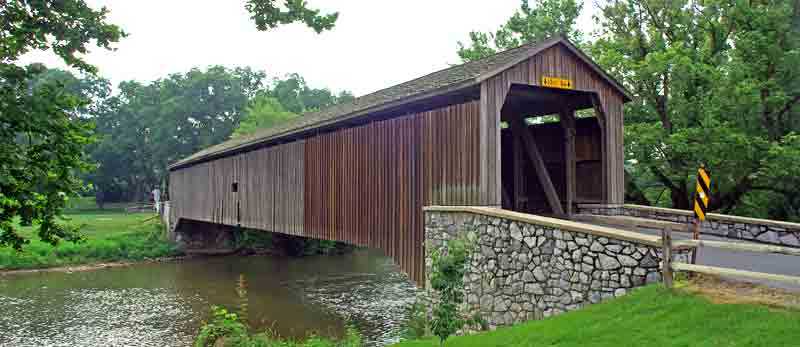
666 254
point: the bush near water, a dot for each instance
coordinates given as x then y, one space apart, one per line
228 328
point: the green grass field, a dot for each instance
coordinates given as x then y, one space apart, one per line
111 235
650 316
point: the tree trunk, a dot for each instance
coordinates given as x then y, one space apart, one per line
680 197
633 193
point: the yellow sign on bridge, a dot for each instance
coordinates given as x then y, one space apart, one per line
555 82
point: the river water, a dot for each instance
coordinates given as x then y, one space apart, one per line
163 304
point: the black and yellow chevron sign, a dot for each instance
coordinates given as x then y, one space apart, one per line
702 193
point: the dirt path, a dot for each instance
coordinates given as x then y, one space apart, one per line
727 291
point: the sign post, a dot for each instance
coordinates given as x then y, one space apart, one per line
702 196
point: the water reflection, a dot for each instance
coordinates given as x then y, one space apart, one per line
163 304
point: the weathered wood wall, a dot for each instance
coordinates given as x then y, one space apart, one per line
269 189
367 185
558 61
364 185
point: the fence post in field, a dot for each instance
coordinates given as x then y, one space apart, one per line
666 263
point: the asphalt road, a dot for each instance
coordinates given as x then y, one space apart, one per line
749 261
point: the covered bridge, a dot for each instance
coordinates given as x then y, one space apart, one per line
473 134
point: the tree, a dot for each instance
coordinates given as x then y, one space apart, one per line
296 96
268 15
145 127
286 99
41 136
262 112
716 83
545 19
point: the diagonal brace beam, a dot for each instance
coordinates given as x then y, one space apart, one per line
538 163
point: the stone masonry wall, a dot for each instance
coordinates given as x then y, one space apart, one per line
519 271
788 234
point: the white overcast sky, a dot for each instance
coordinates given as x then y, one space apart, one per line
375 43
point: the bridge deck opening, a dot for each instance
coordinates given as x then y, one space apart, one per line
552 150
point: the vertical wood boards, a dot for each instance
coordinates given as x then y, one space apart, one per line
269 196
558 61
367 185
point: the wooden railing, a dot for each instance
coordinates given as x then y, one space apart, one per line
140 207
668 266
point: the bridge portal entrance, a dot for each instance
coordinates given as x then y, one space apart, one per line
551 150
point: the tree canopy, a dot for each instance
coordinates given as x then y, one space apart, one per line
146 126
545 19
267 14
48 115
262 112
714 82
42 135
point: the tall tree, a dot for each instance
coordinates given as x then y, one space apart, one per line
545 19
285 100
297 97
41 137
716 82
262 112
145 127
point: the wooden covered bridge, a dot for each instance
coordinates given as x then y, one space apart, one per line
500 131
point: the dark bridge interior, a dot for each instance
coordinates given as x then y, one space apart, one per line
547 116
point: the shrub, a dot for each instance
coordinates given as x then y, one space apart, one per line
223 324
233 330
447 279
416 324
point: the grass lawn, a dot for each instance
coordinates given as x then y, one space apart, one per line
111 235
649 316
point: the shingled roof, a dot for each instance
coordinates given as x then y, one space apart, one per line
440 82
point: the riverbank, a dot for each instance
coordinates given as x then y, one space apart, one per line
113 238
649 316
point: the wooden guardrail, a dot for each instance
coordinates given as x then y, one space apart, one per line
633 222
668 266
140 207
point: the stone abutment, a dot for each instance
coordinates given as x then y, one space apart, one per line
523 267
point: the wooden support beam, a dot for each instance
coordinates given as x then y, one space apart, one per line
492 99
519 177
538 163
600 114
506 199
666 264
567 118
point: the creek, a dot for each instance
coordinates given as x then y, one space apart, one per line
163 304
